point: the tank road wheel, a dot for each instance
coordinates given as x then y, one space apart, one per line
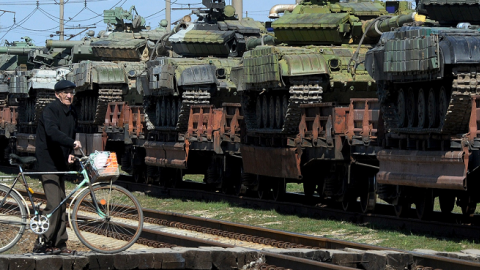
163 112
259 112
265 119
278 112
284 108
173 115
411 107
447 203
158 113
442 106
169 111
272 111
279 189
421 108
424 204
401 109
431 108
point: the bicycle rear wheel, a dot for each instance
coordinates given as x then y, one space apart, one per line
116 228
13 218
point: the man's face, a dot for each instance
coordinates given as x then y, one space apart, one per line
66 96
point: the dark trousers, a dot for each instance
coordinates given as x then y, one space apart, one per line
54 187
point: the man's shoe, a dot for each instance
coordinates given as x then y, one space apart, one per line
66 251
52 251
39 248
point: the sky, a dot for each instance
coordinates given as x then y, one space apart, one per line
40 19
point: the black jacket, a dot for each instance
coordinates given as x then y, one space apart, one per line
55 137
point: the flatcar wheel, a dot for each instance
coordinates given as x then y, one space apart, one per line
447 203
402 208
401 109
368 200
139 174
424 205
264 189
278 112
348 202
308 188
271 112
279 189
411 108
468 206
432 109
421 108
259 112
265 111
442 106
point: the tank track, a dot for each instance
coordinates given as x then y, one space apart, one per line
298 94
44 97
106 94
457 117
190 97
3 99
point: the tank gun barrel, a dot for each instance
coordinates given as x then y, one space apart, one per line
374 28
62 44
264 40
17 51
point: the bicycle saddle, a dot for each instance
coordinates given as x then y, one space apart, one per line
17 160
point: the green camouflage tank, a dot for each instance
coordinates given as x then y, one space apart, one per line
427 76
195 82
121 51
308 81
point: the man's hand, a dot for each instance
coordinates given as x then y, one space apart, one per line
77 145
71 159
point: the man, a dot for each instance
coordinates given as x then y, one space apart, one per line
54 144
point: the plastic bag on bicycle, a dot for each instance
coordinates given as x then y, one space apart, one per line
102 166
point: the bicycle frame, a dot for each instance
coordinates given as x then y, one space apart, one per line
86 180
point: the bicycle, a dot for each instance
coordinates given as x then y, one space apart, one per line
101 208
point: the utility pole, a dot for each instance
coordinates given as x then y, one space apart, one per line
62 31
238 5
168 13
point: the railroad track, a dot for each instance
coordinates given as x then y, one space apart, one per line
282 250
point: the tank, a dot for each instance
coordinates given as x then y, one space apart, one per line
34 88
192 107
308 101
109 81
427 87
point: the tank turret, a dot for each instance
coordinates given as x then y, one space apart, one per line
217 32
15 54
127 37
332 22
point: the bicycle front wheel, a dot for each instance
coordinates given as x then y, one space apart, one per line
114 226
13 218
